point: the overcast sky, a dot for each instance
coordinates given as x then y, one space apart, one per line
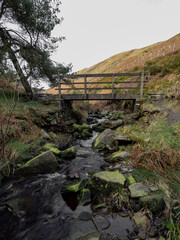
98 29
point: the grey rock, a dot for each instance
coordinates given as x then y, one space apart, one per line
138 190
43 163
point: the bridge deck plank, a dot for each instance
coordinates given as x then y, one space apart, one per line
99 96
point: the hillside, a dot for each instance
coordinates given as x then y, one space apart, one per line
139 60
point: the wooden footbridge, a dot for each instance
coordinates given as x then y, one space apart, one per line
119 89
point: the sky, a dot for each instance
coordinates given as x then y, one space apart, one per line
98 29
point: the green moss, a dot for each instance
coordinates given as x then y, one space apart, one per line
96 142
86 134
154 202
69 153
142 174
130 180
78 128
43 163
85 196
75 187
106 182
52 147
118 156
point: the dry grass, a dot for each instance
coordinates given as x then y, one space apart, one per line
158 160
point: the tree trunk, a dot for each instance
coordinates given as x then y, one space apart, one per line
15 62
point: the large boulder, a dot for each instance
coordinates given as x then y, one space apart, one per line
43 163
106 182
117 156
112 124
105 140
69 153
154 202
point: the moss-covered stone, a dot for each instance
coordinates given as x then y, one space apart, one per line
105 140
86 134
86 126
69 153
82 131
117 156
141 221
154 202
53 148
76 187
112 124
138 190
43 163
85 196
130 180
78 128
106 182
98 128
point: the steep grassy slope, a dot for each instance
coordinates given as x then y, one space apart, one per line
160 59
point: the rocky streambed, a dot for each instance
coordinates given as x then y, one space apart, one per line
80 194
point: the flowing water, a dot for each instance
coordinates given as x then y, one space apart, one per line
34 208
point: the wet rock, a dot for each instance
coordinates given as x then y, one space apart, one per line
90 236
101 222
105 140
153 232
141 221
86 134
76 187
85 196
53 122
117 156
69 153
45 135
142 235
85 216
130 180
106 182
1 178
43 163
52 112
154 202
120 140
138 190
112 124
98 128
53 148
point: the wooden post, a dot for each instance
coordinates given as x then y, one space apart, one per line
113 87
60 97
142 85
85 89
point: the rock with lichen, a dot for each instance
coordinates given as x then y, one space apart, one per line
43 163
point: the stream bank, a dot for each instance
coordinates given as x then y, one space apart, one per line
35 207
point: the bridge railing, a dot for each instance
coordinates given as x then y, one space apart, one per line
142 78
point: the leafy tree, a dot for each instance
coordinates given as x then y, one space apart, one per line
26 43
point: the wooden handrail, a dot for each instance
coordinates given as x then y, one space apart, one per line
140 82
